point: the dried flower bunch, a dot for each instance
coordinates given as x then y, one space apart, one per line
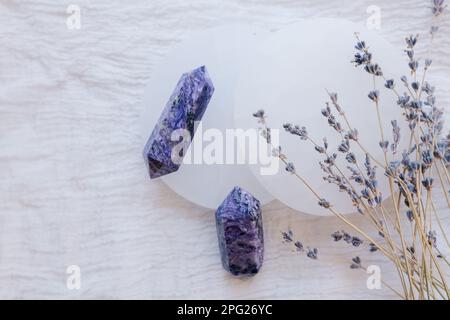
405 224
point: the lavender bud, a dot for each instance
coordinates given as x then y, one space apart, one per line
287 236
312 253
337 236
356 263
428 183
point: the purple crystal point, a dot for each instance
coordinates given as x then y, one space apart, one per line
240 231
186 105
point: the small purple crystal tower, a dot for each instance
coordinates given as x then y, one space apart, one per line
240 231
186 106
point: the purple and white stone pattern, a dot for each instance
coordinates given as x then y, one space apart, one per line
240 232
186 106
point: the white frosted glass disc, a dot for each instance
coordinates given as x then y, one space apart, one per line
287 78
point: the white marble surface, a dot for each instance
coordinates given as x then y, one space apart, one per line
73 188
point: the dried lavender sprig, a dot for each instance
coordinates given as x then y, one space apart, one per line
299 246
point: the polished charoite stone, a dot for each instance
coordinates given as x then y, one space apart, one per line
240 231
186 105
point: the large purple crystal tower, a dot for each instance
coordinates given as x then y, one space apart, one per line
186 106
240 231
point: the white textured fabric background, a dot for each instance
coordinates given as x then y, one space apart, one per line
73 187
